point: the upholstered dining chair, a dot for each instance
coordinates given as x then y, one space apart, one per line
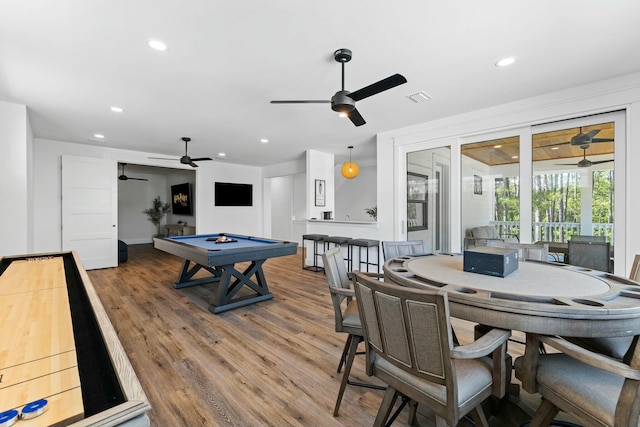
392 249
596 389
347 319
409 345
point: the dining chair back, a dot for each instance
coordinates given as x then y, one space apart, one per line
634 274
410 346
590 254
392 249
585 238
347 319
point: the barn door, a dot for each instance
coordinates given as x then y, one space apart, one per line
90 210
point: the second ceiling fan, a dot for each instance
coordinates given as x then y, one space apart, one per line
186 160
344 101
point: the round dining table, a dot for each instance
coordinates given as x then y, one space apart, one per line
541 297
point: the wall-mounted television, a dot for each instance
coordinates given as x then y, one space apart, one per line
233 194
181 202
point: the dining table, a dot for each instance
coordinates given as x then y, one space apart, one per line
541 297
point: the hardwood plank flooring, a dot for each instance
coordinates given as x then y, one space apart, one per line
269 364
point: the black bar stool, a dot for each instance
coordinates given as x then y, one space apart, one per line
337 241
316 239
364 244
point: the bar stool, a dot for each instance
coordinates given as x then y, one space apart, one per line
337 241
316 239
363 244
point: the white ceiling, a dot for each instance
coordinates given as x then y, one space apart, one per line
68 61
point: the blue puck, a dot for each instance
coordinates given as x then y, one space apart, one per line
34 409
8 418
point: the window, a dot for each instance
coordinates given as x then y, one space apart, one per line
417 201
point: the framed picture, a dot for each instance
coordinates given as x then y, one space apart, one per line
181 199
320 192
417 201
477 185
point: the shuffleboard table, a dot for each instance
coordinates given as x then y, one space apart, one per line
58 345
218 254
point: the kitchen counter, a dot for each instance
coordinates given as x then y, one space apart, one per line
341 221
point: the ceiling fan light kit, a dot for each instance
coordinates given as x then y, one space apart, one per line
344 101
350 169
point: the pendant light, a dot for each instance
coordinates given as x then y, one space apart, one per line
350 169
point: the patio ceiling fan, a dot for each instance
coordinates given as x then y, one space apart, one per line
585 163
186 160
124 177
344 101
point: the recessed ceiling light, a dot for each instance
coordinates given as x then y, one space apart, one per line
514 157
264 140
505 62
157 45
221 154
555 148
117 109
497 146
98 135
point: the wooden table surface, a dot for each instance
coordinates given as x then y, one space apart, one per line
37 349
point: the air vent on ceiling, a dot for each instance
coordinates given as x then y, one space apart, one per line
419 97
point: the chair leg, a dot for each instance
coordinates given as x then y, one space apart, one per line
386 406
413 409
353 348
345 351
478 417
544 414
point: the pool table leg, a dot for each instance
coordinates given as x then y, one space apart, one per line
226 299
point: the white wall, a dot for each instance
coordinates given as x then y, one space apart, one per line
134 197
282 208
15 183
603 96
320 166
353 196
208 218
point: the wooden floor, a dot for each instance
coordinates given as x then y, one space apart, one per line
269 364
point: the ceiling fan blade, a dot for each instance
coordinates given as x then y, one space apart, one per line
584 138
381 86
162 158
602 140
199 159
308 101
597 162
137 179
356 118
193 165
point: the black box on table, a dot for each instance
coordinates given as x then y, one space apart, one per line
491 261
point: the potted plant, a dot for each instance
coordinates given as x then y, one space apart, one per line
157 212
372 212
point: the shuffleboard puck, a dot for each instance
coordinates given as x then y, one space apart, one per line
34 409
8 418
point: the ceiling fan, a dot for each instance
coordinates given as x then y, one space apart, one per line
185 160
583 140
585 163
124 177
344 101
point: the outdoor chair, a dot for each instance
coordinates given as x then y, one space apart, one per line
347 319
392 249
526 251
479 236
409 345
589 254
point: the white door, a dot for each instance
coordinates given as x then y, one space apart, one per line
90 210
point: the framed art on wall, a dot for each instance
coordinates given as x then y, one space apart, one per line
320 192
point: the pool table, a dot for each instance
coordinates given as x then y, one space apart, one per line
218 254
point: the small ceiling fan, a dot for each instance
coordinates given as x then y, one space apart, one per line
583 140
124 177
585 163
344 101
186 160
